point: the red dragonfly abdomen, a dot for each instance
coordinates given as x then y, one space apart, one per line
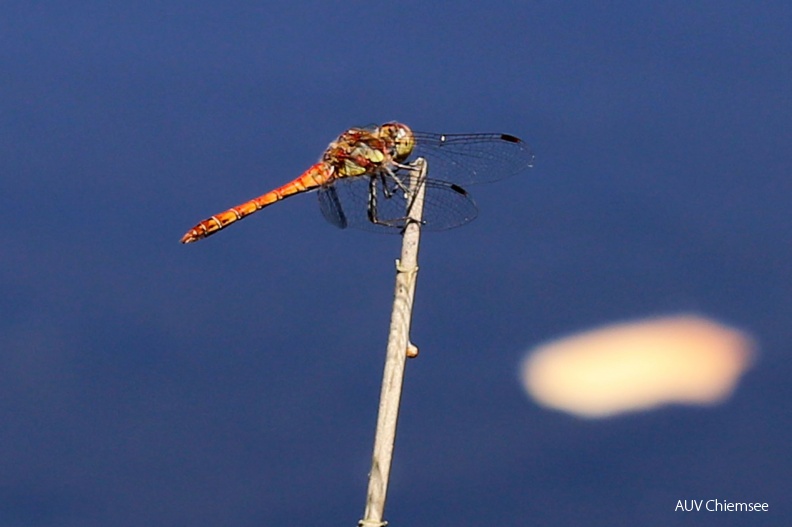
314 177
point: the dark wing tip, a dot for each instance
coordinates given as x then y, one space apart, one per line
459 190
511 138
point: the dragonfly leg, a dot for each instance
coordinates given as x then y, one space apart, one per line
397 180
408 194
391 184
371 210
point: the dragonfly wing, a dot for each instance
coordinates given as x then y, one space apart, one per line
446 205
472 158
330 205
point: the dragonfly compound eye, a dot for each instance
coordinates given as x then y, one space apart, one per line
402 138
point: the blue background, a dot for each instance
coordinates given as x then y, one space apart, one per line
235 381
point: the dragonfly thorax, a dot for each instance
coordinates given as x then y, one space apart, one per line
355 156
360 151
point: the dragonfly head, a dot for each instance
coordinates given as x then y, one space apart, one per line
401 137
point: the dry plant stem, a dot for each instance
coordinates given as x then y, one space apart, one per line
398 342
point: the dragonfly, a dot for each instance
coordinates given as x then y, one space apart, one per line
364 179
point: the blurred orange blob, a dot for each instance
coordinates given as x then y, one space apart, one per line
637 366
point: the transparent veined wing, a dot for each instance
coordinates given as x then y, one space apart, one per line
347 203
472 158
